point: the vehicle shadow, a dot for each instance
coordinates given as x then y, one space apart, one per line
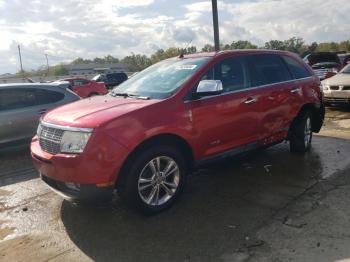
330 110
222 205
16 166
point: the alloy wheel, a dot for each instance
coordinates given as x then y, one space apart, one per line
158 181
307 132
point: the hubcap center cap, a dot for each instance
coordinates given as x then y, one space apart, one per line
159 179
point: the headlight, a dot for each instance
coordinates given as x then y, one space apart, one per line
74 141
325 87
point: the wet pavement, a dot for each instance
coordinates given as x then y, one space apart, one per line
269 205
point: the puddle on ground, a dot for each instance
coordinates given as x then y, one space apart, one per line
6 231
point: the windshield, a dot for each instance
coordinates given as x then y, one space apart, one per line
346 70
162 79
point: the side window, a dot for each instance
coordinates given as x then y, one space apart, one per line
298 71
231 72
16 98
267 69
80 82
48 97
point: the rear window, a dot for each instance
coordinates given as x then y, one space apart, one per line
323 58
267 69
15 98
117 77
298 70
48 96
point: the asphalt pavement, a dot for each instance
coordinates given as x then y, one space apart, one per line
269 205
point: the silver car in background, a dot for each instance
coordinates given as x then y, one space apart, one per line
21 106
336 89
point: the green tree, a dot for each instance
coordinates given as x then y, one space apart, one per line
58 70
80 60
275 45
136 62
242 45
208 48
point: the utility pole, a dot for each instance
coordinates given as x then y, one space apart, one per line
20 59
47 64
215 24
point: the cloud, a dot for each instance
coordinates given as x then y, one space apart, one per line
66 29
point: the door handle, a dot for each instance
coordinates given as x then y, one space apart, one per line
250 100
295 90
42 111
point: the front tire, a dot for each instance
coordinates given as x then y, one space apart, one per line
154 180
301 133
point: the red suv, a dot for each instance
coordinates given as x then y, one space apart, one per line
146 136
86 88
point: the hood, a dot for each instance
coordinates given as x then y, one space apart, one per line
338 80
95 111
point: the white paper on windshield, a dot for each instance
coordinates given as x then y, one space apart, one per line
186 67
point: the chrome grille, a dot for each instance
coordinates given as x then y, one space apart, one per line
334 87
50 139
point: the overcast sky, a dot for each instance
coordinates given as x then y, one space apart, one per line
66 29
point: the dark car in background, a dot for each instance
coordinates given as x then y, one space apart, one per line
111 79
344 58
324 64
22 105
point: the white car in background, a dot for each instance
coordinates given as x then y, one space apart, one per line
337 88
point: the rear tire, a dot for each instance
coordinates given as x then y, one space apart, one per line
154 180
301 133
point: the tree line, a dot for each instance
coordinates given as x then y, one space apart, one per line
137 62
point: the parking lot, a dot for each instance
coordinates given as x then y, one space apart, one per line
270 205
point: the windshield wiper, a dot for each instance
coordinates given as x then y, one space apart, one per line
121 94
125 95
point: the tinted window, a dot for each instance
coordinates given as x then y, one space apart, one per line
267 69
80 82
297 70
325 57
15 98
231 72
47 96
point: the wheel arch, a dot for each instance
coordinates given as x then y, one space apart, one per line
317 113
161 139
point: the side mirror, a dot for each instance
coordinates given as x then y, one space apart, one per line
209 88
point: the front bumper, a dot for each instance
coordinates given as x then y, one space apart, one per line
72 191
336 97
85 175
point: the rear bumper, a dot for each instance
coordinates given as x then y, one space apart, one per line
74 191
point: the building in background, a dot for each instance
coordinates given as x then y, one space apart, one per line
89 69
